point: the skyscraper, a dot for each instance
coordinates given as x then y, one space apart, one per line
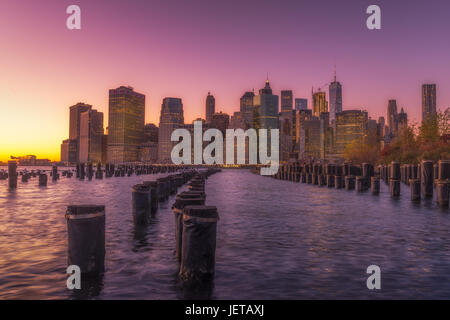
335 99
246 108
286 103
210 107
301 104
350 125
126 124
392 117
402 120
170 119
69 151
220 121
74 124
91 136
428 100
266 107
320 103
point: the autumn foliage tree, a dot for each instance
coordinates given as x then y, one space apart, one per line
429 141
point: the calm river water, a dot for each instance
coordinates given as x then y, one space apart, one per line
275 240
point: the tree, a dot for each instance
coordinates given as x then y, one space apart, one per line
359 151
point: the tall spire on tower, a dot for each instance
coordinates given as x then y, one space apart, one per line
335 72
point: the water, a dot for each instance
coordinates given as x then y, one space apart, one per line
275 240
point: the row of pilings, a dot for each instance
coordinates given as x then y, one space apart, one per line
84 171
422 179
195 226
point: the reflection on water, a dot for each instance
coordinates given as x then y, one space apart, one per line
275 240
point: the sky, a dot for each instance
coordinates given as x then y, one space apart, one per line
187 48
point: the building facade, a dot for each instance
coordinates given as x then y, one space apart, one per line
301 104
320 103
266 108
210 107
428 101
246 108
69 149
91 136
74 124
126 124
171 118
335 91
350 125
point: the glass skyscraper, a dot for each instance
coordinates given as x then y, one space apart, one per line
170 119
428 100
335 99
126 124
266 107
210 107
301 104
320 103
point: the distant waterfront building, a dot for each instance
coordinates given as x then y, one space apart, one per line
210 107
335 99
126 124
69 151
392 117
31 160
148 152
428 100
402 120
372 132
287 101
350 125
171 118
74 124
91 136
301 116
246 108
266 107
320 103
220 121
310 139
151 133
301 104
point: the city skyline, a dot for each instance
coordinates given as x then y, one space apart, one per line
36 97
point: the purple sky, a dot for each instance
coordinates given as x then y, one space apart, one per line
187 48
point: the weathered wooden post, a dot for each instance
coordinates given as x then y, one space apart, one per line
54 173
394 183
141 203
198 244
350 183
360 184
414 184
25 177
367 173
443 170
442 193
153 185
12 174
338 179
182 200
435 173
443 183
99 172
86 238
42 180
162 189
375 184
82 172
427 178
